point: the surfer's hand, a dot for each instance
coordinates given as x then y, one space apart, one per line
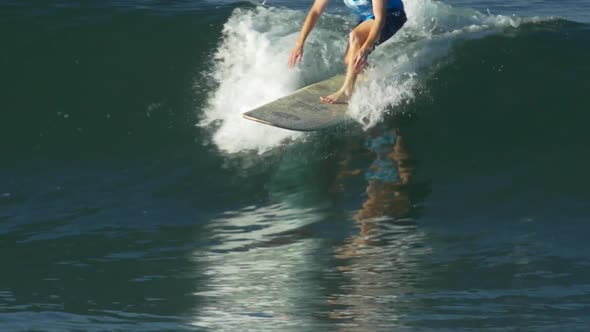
296 55
360 60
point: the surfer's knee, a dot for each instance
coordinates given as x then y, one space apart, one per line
354 38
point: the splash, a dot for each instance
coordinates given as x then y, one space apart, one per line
250 69
250 65
398 66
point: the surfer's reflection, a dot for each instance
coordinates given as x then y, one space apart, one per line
380 260
391 191
388 177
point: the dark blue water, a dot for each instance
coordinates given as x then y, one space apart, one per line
134 197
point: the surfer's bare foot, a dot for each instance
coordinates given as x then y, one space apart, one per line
340 97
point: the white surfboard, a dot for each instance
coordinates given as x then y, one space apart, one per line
302 110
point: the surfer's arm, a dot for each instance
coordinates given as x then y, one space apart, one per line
312 18
380 11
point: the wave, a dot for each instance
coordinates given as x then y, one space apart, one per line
249 67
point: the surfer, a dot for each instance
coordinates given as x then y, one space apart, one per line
378 20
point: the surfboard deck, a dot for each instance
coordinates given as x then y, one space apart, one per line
302 110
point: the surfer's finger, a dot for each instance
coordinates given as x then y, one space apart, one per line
362 62
292 60
358 63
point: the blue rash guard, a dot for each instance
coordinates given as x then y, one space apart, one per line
364 8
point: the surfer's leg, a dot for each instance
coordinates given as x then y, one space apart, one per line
358 36
346 54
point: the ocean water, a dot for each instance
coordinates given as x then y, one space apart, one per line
134 196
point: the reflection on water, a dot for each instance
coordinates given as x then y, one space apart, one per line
381 261
259 270
356 252
267 270
389 178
